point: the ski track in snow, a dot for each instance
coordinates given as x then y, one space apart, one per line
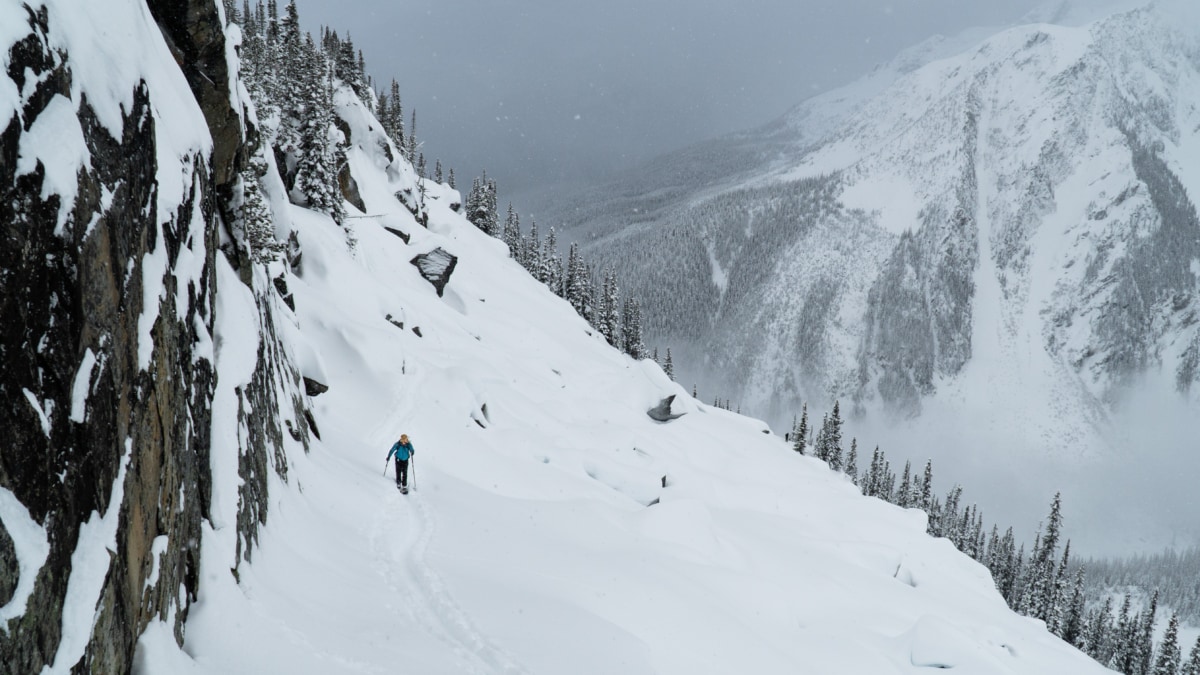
404 565
400 539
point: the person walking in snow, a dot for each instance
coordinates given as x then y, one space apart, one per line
403 450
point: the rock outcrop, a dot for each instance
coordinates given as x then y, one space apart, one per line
107 369
436 266
662 411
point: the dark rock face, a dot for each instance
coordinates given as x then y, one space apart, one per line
314 388
8 567
349 188
63 296
436 266
197 39
273 394
79 292
662 411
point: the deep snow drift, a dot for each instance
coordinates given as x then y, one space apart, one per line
539 537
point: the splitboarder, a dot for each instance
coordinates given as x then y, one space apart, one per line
403 450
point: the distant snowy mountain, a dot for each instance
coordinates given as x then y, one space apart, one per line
198 410
1005 227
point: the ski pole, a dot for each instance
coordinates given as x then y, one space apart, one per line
385 463
414 463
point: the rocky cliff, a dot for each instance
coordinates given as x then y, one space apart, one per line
120 156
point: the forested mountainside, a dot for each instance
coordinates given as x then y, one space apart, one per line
226 289
1015 213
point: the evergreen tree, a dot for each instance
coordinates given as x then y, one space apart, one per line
577 288
393 121
1169 656
852 461
1144 637
927 486
554 268
821 447
1096 641
257 223
481 206
450 179
273 28
346 67
512 234
835 456
1192 667
874 480
1018 578
296 79
1125 647
608 317
532 247
631 332
1041 590
411 151
834 438
437 172
801 431
316 168
1073 625
905 486
1057 601
669 365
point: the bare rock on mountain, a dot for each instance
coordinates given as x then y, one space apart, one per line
662 411
436 266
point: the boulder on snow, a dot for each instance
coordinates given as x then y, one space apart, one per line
314 388
662 411
396 232
349 188
436 266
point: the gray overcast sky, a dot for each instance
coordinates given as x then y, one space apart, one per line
537 91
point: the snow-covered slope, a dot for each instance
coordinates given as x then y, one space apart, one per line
176 498
1001 238
540 537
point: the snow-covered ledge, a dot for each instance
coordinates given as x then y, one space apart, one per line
32 547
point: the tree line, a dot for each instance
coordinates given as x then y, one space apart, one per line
1037 582
595 294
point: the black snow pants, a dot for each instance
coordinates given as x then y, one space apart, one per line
401 472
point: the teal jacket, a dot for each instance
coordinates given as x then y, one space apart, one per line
402 451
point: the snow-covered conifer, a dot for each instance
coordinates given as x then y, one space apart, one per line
531 253
927 486
411 151
905 486
512 234
1169 654
1192 667
631 331
801 431
852 461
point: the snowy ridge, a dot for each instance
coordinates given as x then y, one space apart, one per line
989 246
539 537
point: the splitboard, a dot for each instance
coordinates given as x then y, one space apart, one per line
403 490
